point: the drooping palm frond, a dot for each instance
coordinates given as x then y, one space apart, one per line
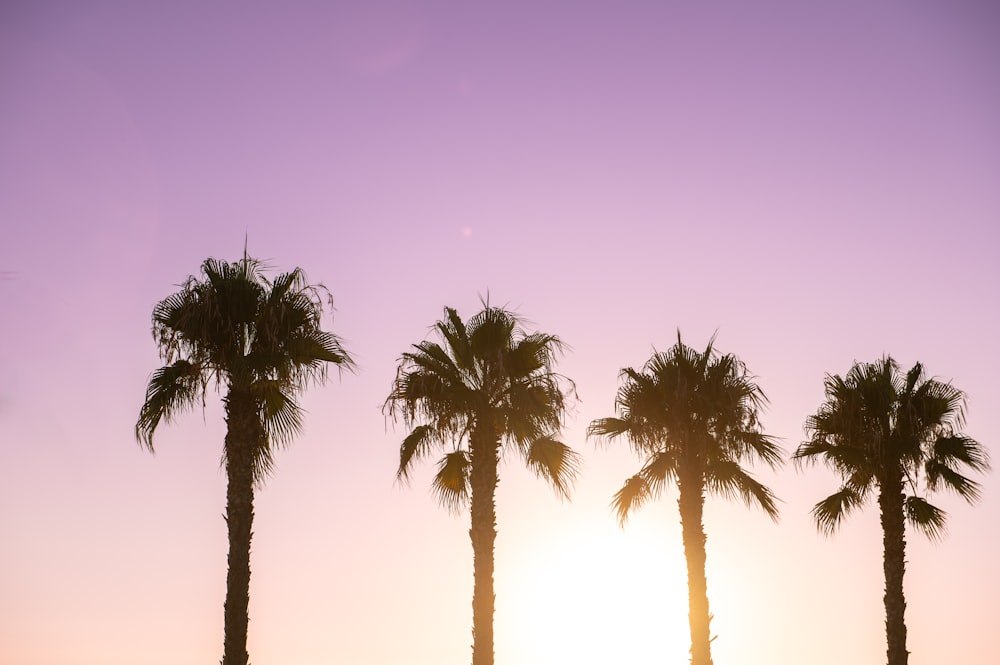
172 390
727 478
831 511
415 446
748 443
946 454
633 495
940 474
929 519
951 449
660 470
555 462
280 414
451 483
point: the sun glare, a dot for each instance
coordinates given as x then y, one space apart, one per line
596 595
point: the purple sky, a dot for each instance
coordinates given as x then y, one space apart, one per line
819 182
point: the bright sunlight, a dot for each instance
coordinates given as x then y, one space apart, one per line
593 594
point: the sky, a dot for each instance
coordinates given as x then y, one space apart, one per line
815 183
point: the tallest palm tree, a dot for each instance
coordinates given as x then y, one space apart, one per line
892 435
261 341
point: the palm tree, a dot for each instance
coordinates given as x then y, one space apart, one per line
892 435
487 388
261 340
694 417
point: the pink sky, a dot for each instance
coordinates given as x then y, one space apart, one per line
819 182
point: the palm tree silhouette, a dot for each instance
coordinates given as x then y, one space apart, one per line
262 341
891 435
487 388
694 417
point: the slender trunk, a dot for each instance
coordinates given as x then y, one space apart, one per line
691 503
243 435
890 502
485 453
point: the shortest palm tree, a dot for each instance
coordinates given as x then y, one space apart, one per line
261 341
883 431
694 417
486 388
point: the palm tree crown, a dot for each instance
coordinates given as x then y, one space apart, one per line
261 341
691 413
236 328
877 423
486 387
892 435
487 377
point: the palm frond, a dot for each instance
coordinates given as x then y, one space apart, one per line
929 519
263 463
749 444
606 430
940 475
555 462
172 389
432 358
661 469
419 393
643 435
415 446
844 459
536 352
456 337
811 452
280 414
451 482
832 510
633 494
531 408
954 449
727 478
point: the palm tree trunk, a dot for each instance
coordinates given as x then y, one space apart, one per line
691 503
242 436
485 453
890 502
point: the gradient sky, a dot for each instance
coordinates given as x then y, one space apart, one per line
819 182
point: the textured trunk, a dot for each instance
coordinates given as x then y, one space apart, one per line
485 452
243 435
691 503
890 502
